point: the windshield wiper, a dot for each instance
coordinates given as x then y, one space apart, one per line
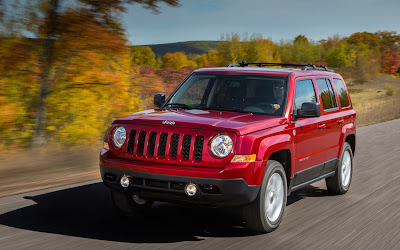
182 105
222 108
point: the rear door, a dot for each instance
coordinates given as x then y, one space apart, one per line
332 123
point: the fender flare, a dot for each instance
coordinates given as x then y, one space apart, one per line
268 146
348 129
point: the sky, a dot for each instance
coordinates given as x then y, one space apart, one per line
277 20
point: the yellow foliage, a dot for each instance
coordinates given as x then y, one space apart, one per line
80 112
177 60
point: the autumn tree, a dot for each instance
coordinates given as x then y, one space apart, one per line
390 51
211 59
177 60
66 32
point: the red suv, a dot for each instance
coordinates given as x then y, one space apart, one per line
243 135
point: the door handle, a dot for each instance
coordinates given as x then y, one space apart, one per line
340 121
321 126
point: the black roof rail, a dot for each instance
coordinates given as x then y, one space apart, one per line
304 66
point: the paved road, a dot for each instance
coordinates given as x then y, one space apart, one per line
82 216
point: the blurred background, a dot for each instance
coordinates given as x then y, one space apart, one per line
70 67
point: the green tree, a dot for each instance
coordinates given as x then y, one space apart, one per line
302 50
259 49
143 55
338 56
231 49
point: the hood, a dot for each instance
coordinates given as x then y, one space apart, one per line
238 123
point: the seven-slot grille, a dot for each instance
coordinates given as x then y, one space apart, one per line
160 140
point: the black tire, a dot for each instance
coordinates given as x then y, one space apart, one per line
336 184
124 203
255 214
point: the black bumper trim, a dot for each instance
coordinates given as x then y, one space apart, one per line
232 192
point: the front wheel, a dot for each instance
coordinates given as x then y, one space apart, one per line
340 182
126 203
265 213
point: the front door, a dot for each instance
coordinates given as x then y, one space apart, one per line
309 139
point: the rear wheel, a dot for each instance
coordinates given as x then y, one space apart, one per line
340 182
265 213
126 203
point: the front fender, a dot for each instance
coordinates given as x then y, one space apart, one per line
269 146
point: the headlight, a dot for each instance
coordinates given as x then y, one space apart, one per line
221 146
119 137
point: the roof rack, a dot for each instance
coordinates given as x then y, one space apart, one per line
304 66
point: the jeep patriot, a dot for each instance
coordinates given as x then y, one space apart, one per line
243 135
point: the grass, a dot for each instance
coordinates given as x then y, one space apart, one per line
28 171
372 103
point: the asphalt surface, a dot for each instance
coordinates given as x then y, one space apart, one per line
83 217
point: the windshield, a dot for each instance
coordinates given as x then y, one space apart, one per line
239 93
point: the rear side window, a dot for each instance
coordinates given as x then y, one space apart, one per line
304 93
341 90
327 95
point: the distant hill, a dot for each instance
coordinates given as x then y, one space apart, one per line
190 47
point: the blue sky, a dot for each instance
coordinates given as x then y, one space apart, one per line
283 19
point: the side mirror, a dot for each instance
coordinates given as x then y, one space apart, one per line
309 109
159 99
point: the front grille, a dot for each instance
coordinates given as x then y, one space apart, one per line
178 149
152 143
142 139
163 144
198 147
131 143
187 139
174 145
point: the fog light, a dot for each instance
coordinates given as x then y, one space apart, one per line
191 189
124 181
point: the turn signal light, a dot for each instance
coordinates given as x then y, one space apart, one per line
105 148
244 158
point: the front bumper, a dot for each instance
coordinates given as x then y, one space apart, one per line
170 188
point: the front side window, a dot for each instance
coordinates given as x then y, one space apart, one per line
238 93
195 92
304 93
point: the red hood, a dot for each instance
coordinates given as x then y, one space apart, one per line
239 123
